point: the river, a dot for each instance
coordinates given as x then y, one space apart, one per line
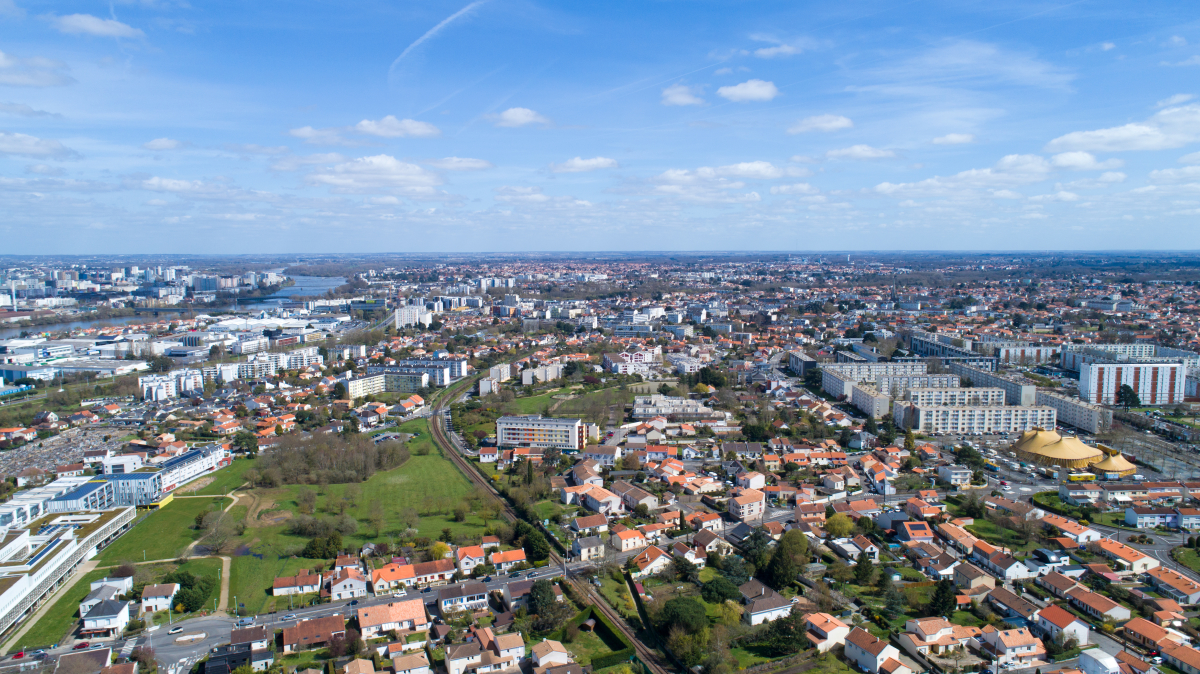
306 286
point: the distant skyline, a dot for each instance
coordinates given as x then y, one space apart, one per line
164 126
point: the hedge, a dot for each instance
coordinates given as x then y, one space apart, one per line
614 658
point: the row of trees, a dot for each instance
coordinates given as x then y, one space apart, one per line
329 459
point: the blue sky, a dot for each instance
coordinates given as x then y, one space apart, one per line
222 127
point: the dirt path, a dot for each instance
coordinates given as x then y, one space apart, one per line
226 562
85 568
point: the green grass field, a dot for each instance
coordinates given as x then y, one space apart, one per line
164 534
994 534
250 581
227 479
589 645
1187 557
535 404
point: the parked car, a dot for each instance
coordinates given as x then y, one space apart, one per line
515 574
19 655
81 645
290 616
353 602
176 630
427 590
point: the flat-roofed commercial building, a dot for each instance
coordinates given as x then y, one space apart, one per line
541 432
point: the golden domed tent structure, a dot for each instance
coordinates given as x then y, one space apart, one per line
1114 463
1048 448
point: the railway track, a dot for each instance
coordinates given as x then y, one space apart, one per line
437 427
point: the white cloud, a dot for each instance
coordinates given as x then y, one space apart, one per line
1061 195
384 201
1177 99
778 50
1084 161
821 123
750 90
9 8
329 136
86 24
1192 158
1007 194
581 165
44 169
1189 173
1108 46
521 194
22 110
390 127
30 146
681 94
161 144
296 162
377 174
753 170
1177 41
1190 61
779 47
859 152
253 148
514 117
32 72
460 164
797 188
1166 129
704 185
1011 171
954 139
1112 177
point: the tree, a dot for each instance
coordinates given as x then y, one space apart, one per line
734 570
893 599
864 568
839 526
757 548
729 612
541 596
788 559
245 441
439 550
910 441
686 613
944 600
1127 397
719 589
685 570
641 511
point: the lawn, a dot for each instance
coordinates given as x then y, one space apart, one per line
996 535
227 479
617 595
163 534
749 656
535 404
582 405
207 566
62 617
250 580
1187 557
588 646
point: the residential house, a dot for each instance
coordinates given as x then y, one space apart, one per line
548 653
469 557
1097 605
650 561
628 540
158 597
1014 610
412 663
397 615
1128 559
1148 635
1176 586
303 582
516 594
590 525
106 619
504 561
934 636
762 604
1017 646
314 633
348 584
825 631
587 548
462 597
873 655
749 505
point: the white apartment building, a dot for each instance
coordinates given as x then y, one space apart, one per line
1016 392
541 432
868 399
1078 413
170 385
1155 383
985 419
391 382
955 397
